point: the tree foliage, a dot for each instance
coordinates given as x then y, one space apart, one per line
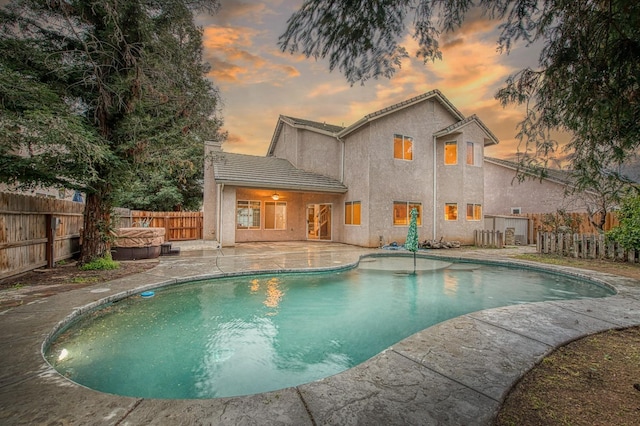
95 93
627 233
587 81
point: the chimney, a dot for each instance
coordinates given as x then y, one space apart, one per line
213 145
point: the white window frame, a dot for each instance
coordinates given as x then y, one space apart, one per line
251 206
352 204
445 153
405 139
279 224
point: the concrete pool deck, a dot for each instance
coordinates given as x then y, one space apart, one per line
454 373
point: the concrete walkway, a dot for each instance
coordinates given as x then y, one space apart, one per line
454 373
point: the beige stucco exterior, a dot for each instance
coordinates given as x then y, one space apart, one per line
362 158
504 193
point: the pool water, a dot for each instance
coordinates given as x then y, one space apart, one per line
251 334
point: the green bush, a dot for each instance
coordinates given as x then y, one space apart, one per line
101 264
627 233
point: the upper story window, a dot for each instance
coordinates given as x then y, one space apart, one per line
402 212
451 211
451 153
275 215
352 212
474 154
474 211
402 147
470 157
247 214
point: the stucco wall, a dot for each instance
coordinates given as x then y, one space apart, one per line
503 191
287 145
386 179
319 153
461 184
296 229
209 198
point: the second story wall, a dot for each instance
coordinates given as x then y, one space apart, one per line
310 151
505 195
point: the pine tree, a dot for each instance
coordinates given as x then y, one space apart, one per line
93 92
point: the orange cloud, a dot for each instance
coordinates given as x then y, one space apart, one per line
235 58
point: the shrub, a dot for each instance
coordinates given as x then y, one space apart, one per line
627 233
101 264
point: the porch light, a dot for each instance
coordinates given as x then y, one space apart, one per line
275 196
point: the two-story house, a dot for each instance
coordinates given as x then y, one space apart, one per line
355 184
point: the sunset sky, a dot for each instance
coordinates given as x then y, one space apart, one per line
258 82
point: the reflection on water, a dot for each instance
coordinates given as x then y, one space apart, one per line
252 334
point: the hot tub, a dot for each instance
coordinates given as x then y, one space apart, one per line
137 243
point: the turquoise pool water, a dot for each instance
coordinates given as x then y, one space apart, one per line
251 334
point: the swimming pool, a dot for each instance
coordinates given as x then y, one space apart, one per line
244 335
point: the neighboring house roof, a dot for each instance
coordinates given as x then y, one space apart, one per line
563 177
492 139
269 172
434 94
299 123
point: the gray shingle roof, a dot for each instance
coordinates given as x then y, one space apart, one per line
459 124
560 176
313 126
269 172
300 122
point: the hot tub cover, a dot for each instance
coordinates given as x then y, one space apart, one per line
139 237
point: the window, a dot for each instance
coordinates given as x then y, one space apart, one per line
474 154
516 210
275 215
451 153
474 211
248 215
352 213
451 211
402 147
402 212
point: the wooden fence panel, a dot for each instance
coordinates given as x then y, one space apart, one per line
583 246
179 226
24 241
538 219
485 238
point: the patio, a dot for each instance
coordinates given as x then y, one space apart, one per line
456 372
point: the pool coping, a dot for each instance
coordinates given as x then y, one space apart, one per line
456 372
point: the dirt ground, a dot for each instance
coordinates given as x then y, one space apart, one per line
592 381
25 288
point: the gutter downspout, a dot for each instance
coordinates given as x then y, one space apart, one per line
342 160
219 213
435 195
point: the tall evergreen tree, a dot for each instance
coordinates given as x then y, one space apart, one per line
93 92
587 81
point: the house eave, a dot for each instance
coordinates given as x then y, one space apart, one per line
282 186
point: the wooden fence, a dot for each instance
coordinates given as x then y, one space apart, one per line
539 221
37 232
583 246
179 226
486 238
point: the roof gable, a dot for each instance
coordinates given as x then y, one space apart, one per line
434 94
299 123
455 127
